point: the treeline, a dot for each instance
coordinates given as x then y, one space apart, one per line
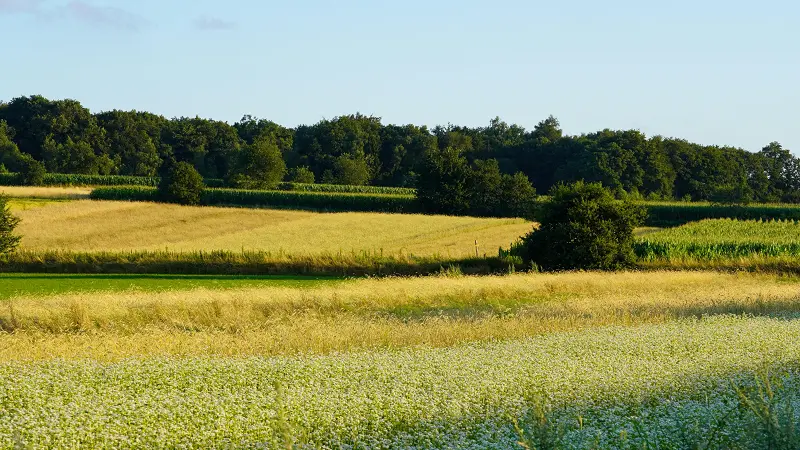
65 137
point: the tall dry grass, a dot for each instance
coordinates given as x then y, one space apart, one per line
438 311
45 192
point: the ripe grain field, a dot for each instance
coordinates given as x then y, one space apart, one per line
125 226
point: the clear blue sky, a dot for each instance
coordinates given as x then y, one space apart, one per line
715 72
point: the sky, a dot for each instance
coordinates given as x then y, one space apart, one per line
713 72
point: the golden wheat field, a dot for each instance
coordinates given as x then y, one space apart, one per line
45 192
113 226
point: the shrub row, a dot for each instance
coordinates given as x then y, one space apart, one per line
341 188
275 199
62 179
242 263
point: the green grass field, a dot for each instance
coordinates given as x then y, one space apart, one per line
17 285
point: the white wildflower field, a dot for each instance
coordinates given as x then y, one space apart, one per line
691 383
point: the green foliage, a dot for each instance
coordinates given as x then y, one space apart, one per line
181 184
301 175
31 172
348 170
8 223
360 150
3 170
584 227
448 184
443 183
260 166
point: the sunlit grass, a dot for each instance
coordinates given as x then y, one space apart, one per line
117 226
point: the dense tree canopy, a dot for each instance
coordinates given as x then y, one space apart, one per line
357 149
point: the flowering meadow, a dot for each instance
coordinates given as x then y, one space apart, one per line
703 382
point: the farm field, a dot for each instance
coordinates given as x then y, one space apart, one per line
125 226
715 239
579 360
45 192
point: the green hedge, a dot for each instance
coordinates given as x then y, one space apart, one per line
62 179
244 263
276 199
338 188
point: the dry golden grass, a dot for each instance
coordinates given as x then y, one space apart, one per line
372 313
45 192
115 226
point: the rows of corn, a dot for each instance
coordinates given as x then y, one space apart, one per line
63 179
722 239
325 201
342 188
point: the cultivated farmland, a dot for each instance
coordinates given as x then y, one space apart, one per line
118 226
577 360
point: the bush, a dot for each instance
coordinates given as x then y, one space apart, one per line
302 175
584 227
31 171
181 184
8 222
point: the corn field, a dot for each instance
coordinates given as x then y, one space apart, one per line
61 179
340 188
722 239
325 201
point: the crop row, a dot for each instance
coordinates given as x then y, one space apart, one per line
341 188
324 201
62 179
663 214
722 239
602 388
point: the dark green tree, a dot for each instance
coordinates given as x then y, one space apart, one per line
8 223
260 166
582 226
181 183
443 183
31 171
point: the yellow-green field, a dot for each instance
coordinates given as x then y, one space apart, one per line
369 313
114 226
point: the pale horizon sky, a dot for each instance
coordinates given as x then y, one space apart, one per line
712 72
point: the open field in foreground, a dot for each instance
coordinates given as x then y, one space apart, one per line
117 226
673 384
577 360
